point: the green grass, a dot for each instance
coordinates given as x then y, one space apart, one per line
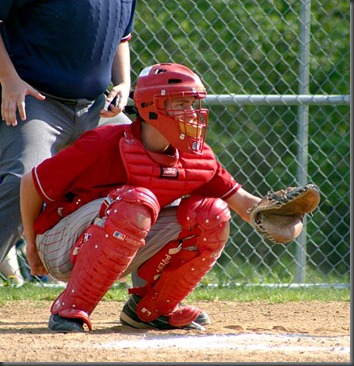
35 292
270 295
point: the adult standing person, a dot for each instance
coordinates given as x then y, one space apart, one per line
57 59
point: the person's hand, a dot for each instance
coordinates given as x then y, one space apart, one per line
117 99
14 92
35 263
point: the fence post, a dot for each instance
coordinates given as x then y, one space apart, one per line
302 153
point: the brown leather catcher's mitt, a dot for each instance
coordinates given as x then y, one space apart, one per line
279 215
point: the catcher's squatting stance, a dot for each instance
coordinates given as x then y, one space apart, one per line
147 198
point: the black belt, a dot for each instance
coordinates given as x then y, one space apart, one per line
66 100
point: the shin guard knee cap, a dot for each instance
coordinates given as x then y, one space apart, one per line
206 212
210 216
130 211
134 195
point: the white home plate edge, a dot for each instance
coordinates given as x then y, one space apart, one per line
246 342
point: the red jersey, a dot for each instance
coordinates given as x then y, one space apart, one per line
109 156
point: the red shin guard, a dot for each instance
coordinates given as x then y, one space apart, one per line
101 254
205 231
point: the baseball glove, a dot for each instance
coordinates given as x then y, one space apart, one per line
279 215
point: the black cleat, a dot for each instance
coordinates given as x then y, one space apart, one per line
130 318
59 324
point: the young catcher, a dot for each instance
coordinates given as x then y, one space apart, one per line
147 198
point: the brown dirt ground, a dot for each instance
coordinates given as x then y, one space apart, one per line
321 329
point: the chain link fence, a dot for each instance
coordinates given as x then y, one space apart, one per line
278 80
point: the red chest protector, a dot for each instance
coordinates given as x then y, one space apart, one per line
168 177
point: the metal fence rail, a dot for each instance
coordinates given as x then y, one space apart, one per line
278 99
300 257
278 81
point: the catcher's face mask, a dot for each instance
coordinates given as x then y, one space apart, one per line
168 96
191 120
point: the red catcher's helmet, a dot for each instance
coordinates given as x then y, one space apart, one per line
158 83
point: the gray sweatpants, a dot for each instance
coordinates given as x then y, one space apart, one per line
55 245
51 124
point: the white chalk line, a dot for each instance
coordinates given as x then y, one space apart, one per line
246 342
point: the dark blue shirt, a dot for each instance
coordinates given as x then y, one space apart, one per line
65 48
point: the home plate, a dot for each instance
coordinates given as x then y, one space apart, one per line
245 342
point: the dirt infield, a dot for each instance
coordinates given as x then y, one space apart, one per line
240 332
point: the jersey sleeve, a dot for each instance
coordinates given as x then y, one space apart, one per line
222 185
130 27
90 165
55 176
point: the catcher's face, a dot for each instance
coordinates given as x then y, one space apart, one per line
183 109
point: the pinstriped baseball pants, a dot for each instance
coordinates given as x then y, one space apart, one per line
54 246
